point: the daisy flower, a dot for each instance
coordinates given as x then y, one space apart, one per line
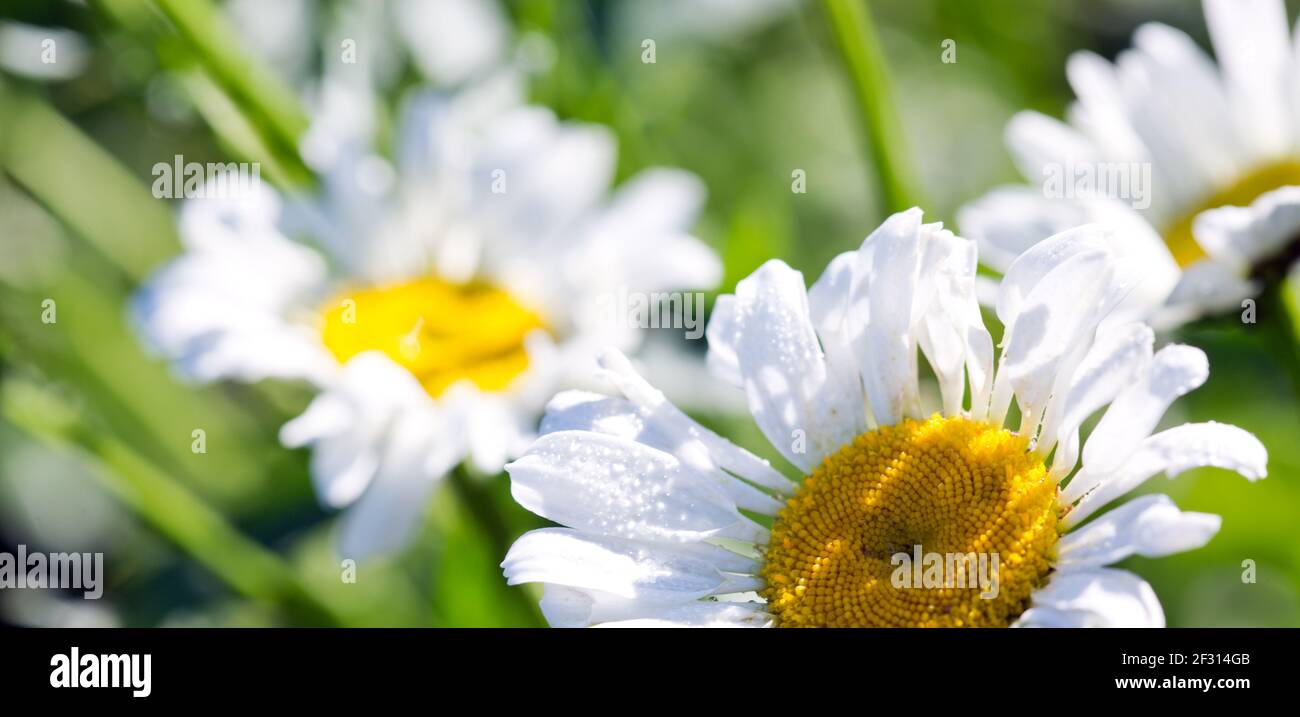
451 42
434 305
1221 143
668 523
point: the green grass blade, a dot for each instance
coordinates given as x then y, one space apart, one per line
859 49
170 508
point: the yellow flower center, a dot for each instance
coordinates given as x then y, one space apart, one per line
968 494
439 331
1245 190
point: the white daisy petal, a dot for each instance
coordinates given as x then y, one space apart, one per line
342 466
829 296
639 239
1251 44
1010 219
1192 445
1053 324
792 393
563 606
1144 78
491 431
1032 266
658 199
566 607
653 261
438 130
346 424
1151 526
1117 597
603 484
1172 372
724 337
218 310
703 614
1117 357
655 574
1051 617
220 223
417 454
670 420
554 172
1172 451
587 411
829 301
283 352
944 350
1210 287
583 411
1241 236
884 303
1095 83
1225 234
1144 264
952 335
1175 101
685 380
1038 142
452 40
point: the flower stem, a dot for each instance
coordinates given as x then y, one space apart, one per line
859 50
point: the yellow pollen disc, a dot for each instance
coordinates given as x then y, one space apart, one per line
955 487
1240 194
439 331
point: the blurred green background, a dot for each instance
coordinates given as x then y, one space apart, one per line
95 436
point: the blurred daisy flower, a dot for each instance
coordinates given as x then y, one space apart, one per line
450 42
43 54
1218 209
435 303
667 520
